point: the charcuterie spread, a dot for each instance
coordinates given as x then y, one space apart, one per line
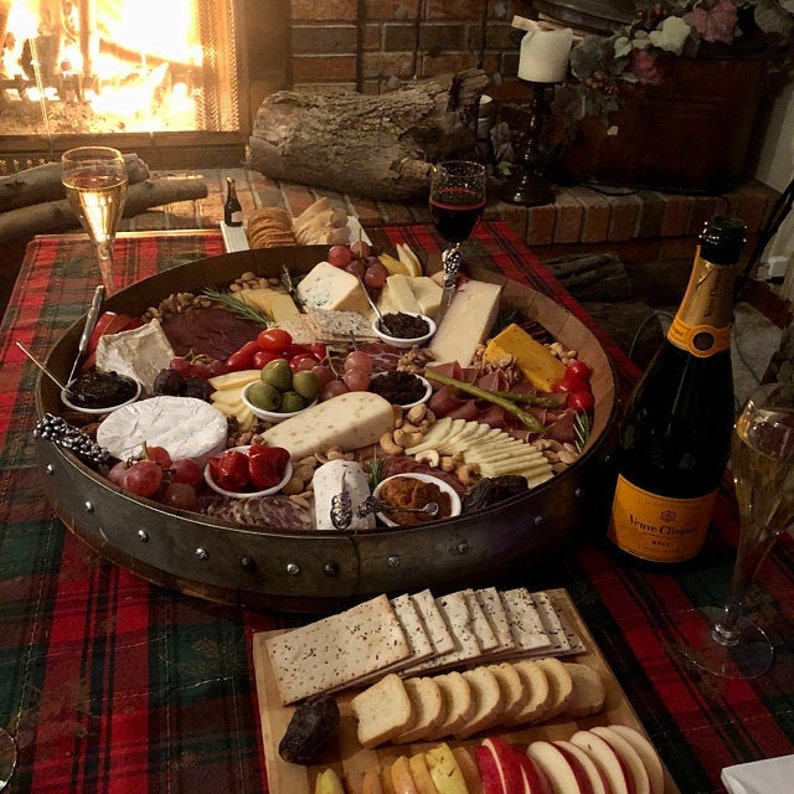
481 407
479 691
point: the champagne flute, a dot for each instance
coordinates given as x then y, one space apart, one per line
95 179
762 465
457 201
8 757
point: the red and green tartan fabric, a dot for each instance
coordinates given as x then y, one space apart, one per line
112 684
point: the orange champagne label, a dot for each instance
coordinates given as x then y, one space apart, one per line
698 340
658 528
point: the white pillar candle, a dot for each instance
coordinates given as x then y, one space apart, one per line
544 55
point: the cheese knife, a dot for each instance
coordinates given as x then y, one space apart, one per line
88 328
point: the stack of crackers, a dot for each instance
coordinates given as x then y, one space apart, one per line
329 326
270 227
417 633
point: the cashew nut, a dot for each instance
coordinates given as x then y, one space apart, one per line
405 439
429 456
417 414
448 463
468 473
388 445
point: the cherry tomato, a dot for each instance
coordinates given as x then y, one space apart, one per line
302 361
262 357
318 350
215 368
571 385
276 339
239 360
581 401
578 370
290 351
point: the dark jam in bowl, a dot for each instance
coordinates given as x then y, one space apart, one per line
404 326
101 390
398 387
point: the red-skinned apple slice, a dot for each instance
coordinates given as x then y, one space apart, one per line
563 770
498 767
593 772
647 752
624 749
535 780
615 769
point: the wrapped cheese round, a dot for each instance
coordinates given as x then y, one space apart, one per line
185 426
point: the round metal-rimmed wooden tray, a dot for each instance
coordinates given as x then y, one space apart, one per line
301 571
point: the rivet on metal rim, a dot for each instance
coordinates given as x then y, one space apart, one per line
293 569
49 469
393 560
462 547
538 520
202 554
89 507
143 536
331 568
247 563
578 493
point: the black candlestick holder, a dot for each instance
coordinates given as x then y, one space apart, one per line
531 188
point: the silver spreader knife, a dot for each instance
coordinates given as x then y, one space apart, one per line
88 329
451 260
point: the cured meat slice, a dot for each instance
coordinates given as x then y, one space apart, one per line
266 512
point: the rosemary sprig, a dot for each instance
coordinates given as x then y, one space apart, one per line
527 419
239 307
581 426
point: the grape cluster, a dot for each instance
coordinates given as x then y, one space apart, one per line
601 81
356 376
57 430
358 259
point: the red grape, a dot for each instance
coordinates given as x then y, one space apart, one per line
360 248
324 375
159 455
339 255
199 370
116 474
375 276
181 365
358 359
143 478
357 268
215 368
180 496
333 389
356 379
186 470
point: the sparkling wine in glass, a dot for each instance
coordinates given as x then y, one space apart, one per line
95 179
762 464
457 201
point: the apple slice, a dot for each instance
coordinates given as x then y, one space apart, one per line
563 770
627 752
615 769
499 768
401 778
385 780
593 772
328 782
420 772
444 770
468 768
371 783
534 778
647 752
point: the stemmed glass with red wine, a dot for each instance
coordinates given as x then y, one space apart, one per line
457 201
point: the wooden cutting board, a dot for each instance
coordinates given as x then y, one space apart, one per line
350 760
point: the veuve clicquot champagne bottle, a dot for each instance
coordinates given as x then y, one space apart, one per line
232 211
676 430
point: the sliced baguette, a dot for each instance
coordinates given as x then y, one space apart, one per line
459 703
537 684
588 693
428 707
383 711
489 699
560 684
515 693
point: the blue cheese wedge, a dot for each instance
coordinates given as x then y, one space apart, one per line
185 426
331 480
329 287
139 353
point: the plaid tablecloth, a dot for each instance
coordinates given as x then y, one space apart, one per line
115 685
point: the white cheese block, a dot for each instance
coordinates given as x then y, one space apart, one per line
185 426
466 323
349 421
139 353
428 295
333 478
329 287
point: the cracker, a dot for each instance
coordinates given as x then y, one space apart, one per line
337 651
524 620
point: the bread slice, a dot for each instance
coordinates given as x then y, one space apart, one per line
459 703
537 683
560 684
514 693
383 710
588 694
428 709
490 703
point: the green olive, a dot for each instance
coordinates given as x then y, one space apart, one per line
291 401
265 396
306 384
277 373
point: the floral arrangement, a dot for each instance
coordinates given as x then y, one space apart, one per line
685 28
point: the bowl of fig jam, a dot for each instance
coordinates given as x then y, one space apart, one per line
97 392
404 329
402 388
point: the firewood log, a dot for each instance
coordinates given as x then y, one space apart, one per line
57 216
377 147
43 183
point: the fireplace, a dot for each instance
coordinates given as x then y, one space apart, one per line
165 78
